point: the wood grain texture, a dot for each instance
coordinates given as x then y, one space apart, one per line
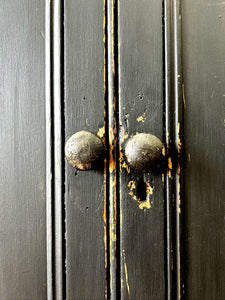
203 24
84 109
22 151
141 110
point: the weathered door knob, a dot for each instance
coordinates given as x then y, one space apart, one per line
84 149
144 151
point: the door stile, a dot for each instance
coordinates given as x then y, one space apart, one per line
49 148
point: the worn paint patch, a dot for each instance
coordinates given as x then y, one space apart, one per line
141 118
126 272
189 157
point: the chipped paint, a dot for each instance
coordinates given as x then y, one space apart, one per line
101 132
141 118
170 166
149 191
179 144
145 204
132 185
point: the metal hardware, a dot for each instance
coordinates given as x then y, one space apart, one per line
84 150
144 151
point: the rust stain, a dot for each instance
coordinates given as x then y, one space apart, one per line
141 118
163 177
170 166
112 163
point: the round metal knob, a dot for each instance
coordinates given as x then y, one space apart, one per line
84 149
144 151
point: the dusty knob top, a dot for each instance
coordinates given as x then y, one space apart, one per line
84 149
144 151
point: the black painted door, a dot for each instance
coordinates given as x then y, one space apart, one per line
115 68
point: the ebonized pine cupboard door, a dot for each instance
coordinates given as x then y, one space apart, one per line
116 68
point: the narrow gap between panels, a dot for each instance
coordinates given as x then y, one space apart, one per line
113 149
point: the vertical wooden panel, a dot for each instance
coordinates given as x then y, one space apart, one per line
84 109
22 151
203 55
141 110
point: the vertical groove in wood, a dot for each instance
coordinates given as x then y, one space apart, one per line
167 141
113 147
106 161
174 149
58 148
49 150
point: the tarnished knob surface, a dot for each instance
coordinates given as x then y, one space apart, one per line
144 151
84 149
